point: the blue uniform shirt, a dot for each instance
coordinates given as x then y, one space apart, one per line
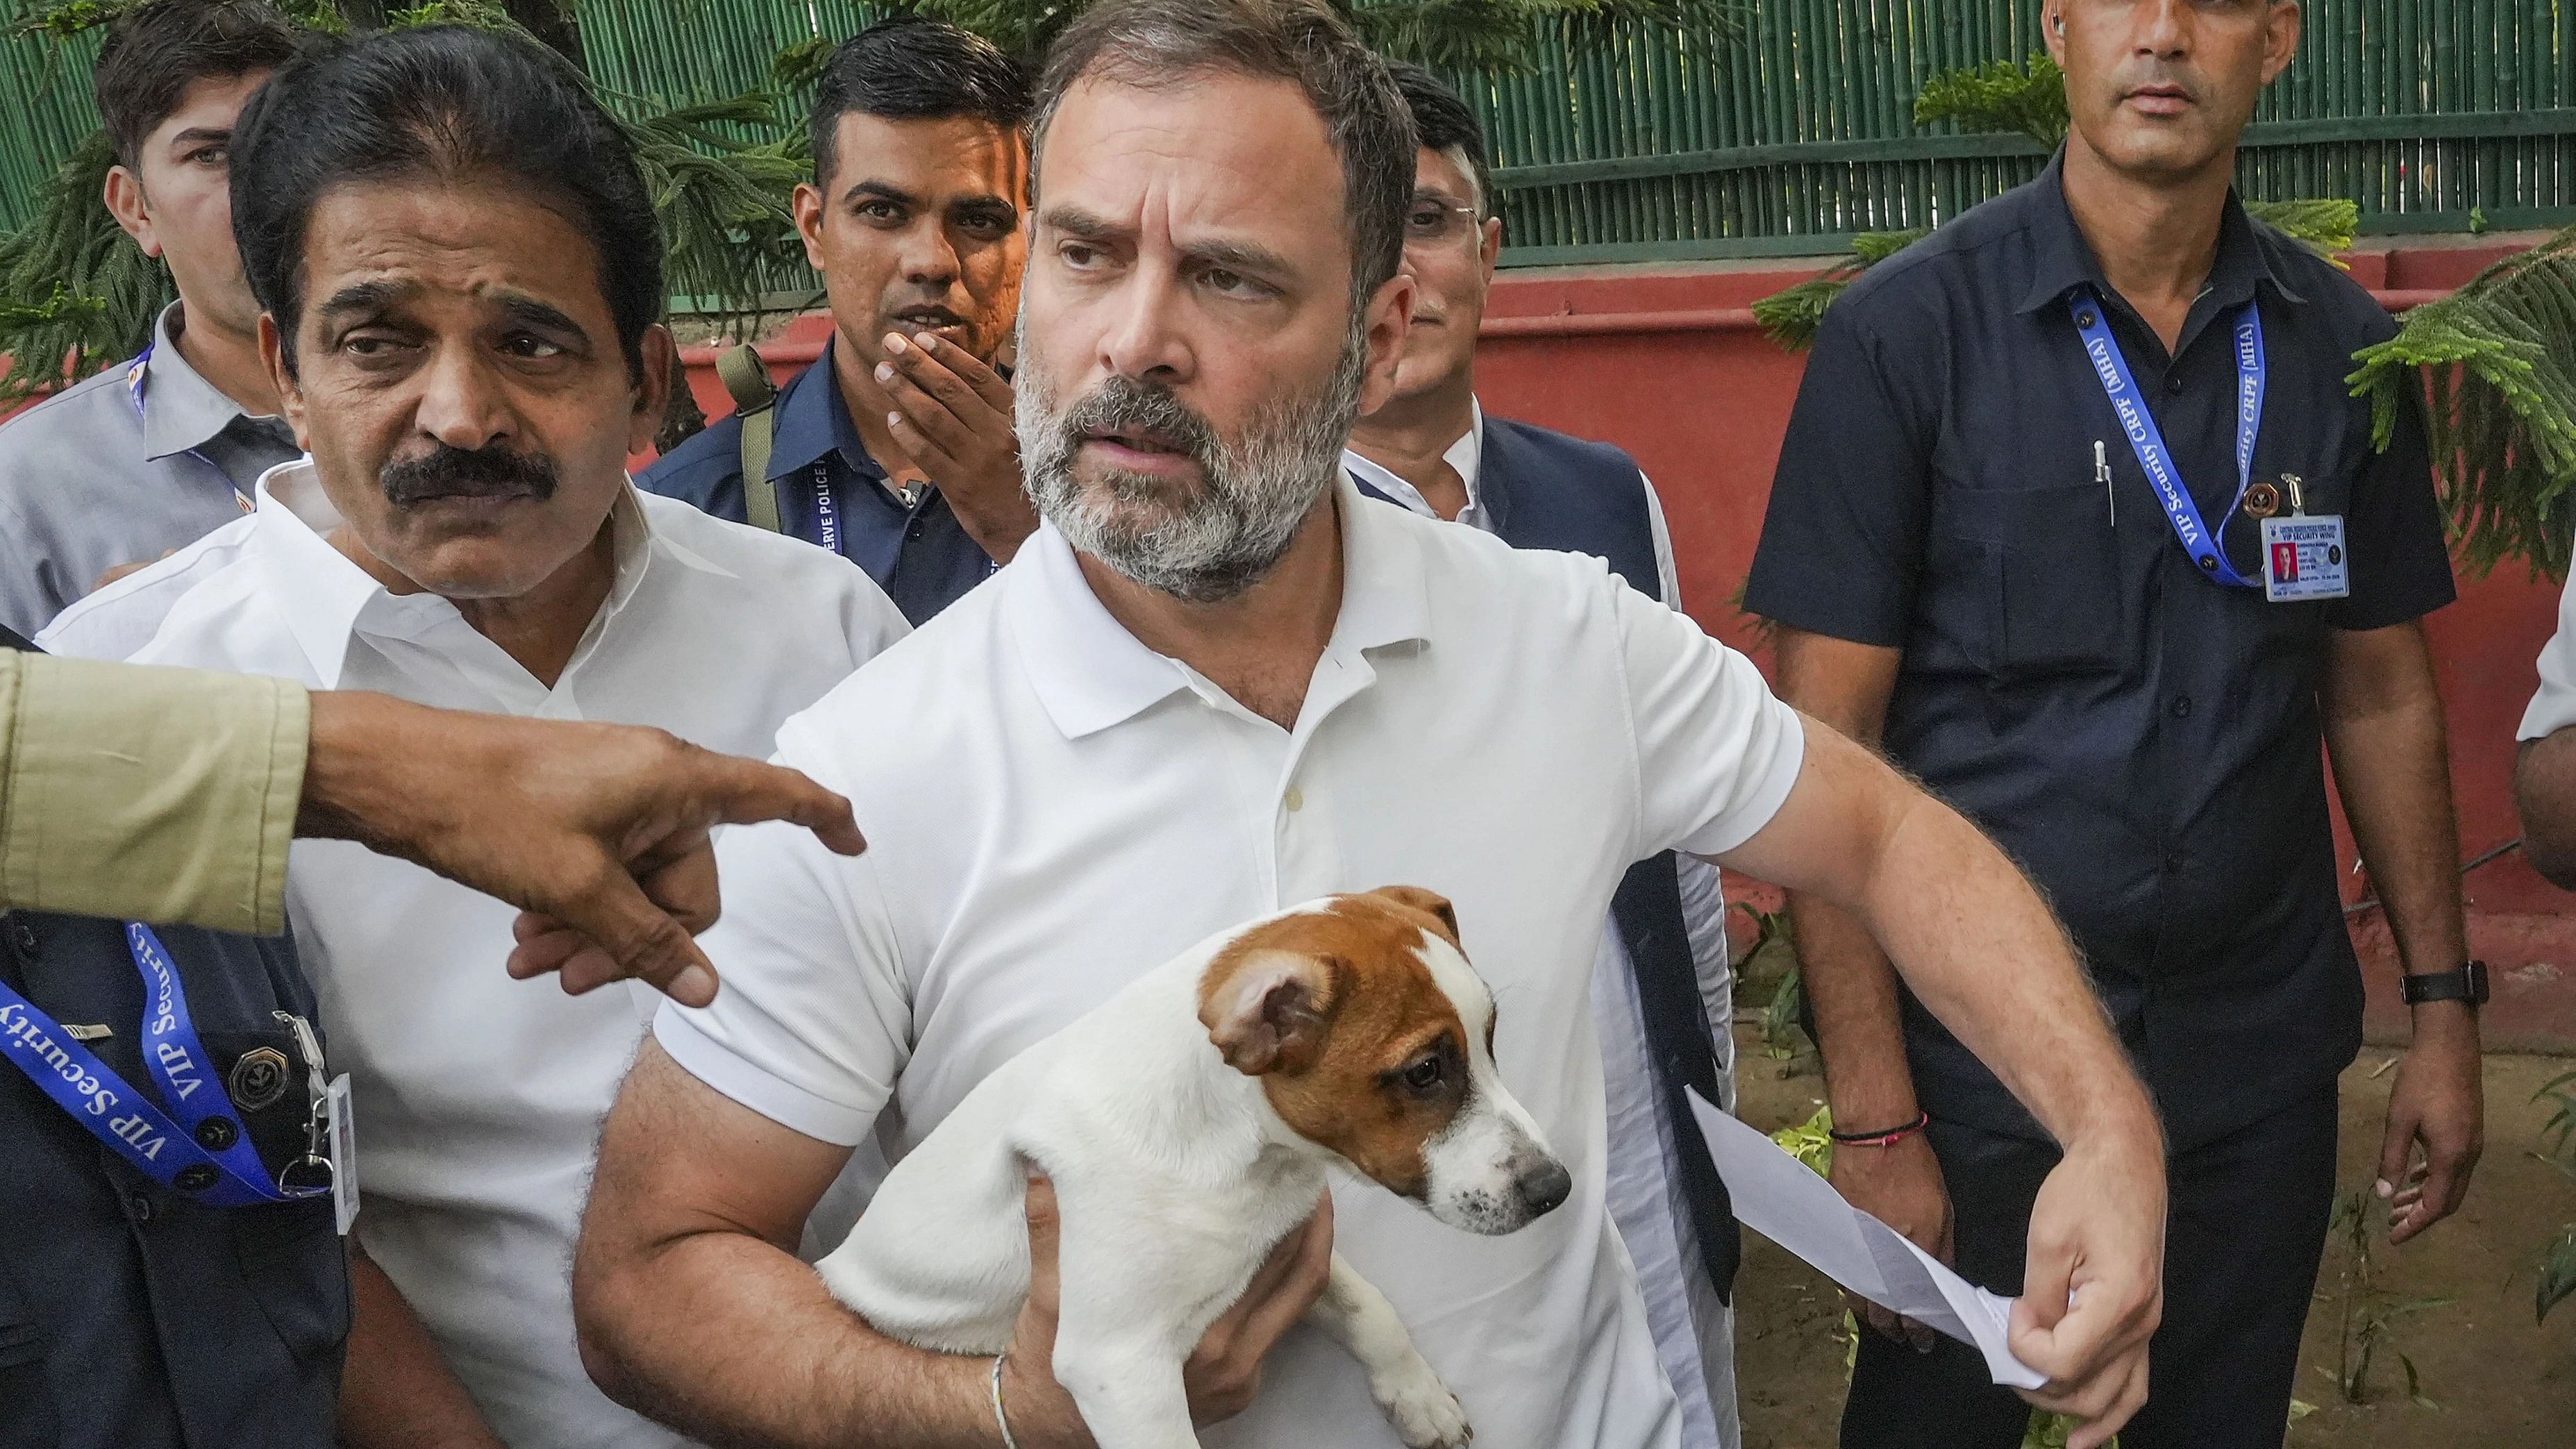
2144 741
917 551
130 1317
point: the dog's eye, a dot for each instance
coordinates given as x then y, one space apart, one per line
1424 1075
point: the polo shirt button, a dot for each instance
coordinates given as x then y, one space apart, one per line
138 1207
2181 706
2173 382
1295 799
2173 862
23 936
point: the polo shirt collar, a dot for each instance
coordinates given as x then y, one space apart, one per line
814 421
2061 260
1089 673
328 600
181 410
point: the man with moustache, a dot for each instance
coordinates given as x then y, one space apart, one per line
459 271
1218 682
2123 659
894 449
123 467
1663 994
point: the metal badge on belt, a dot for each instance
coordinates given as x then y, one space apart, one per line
2303 555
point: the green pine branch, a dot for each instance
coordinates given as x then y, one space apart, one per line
1999 96
2493 369
76 294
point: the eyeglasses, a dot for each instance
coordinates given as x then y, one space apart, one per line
1430 220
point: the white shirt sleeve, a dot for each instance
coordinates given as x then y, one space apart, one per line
812 1021
2553 708
1717 753
1668 576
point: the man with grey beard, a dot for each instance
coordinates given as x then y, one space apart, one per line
1217 683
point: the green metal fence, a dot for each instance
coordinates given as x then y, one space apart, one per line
1800 132
2433 114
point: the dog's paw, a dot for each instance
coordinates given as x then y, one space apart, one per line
1425 1414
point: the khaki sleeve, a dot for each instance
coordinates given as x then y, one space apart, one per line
156 794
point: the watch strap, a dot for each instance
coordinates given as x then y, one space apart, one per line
2468 983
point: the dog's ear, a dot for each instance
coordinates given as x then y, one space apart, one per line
1430 903
1266 1010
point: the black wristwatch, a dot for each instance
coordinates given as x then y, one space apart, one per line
2468 984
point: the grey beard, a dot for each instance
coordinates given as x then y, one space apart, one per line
1216 543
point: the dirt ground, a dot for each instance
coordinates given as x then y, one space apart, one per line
2494 1378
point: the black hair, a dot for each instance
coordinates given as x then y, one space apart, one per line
909 67
441 102
1443 121
1156 43
155 52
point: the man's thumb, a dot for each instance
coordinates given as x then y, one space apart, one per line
645 941
2395 1151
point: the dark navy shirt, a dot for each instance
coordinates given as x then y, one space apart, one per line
2146 742
917 551
131 1317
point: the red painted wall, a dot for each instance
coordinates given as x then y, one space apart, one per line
1667 363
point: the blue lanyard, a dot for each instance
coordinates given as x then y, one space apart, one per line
134 392
2199 541
196 1147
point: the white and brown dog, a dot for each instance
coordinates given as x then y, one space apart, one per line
1348 1030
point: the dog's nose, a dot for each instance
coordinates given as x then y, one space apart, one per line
1543 1185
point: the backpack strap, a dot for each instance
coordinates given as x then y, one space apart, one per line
754 399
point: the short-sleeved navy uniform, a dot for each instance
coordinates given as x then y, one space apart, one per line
2143 740
132 1317
917 551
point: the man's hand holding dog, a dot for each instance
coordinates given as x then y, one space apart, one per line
1223 1375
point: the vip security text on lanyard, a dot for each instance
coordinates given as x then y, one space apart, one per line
196 1147
2198 540
134 374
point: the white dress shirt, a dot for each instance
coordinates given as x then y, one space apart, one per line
478 1098
1694 1330
1054 809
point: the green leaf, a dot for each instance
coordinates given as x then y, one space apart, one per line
1811 1141
2557 1274
2415 1385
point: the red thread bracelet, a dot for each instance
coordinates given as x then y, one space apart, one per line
1882 1139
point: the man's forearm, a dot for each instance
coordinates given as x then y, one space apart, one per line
2040 1029
692 1309
397 1392
703 1332
1971 935
2385 735
1852 991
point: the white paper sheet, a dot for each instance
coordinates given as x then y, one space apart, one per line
1777 1196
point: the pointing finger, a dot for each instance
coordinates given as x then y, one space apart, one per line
743 792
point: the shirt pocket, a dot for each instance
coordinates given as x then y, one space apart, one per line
2043 565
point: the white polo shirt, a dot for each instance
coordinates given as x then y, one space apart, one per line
479 1098
1694 1330
2553 705
1052 809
